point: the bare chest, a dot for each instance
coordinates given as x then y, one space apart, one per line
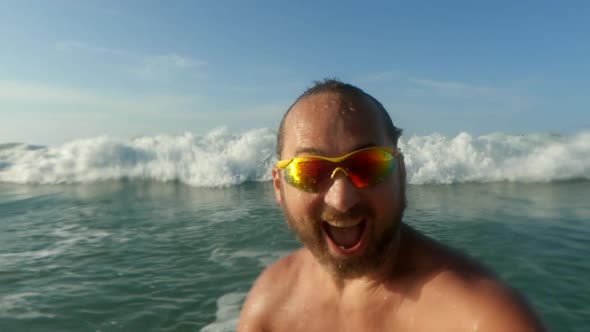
316 314
380 314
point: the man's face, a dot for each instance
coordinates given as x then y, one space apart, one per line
349 230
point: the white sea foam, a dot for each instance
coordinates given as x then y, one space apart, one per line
66 239
18 306
228 258
222 158
219 158
496 157
228 310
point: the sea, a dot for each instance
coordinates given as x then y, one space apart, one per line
168 232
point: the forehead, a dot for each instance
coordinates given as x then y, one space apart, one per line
332 124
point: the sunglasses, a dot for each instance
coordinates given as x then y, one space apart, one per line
364 167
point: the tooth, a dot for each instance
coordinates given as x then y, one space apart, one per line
343 224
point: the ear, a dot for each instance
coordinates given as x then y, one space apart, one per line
402 180
276 183
402 169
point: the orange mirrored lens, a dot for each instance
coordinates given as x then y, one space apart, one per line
368 167
364 168
308 174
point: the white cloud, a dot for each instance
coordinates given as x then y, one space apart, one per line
457 89
13 91
146 66
162 66
174 60
47 114
379 76
25 93
73 46
478 96
50 114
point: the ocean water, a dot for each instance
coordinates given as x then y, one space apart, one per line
167 233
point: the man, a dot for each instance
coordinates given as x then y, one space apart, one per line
341 184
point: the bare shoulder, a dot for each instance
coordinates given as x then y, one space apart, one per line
481 300
469 296
268 292
484 303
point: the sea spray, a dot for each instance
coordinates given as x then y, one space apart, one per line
224 158
219 158
496 157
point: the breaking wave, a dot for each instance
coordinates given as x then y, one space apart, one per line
223 158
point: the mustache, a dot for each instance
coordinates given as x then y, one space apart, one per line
355 213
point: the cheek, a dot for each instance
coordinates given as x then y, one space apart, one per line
302 218
300 205
386 200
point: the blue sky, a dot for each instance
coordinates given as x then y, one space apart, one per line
79 69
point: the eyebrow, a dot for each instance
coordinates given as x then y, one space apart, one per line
307 151
317 152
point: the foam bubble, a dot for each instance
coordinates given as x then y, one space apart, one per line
228 311
67 238
223 158
228 258
19 306
219 158
496 157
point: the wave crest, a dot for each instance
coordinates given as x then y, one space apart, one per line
223 158
496 157
218 158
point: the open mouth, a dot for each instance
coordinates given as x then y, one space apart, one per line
347 237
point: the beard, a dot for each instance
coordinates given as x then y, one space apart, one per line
379 244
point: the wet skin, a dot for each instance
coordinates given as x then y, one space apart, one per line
393 279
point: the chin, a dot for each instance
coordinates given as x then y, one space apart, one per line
370 257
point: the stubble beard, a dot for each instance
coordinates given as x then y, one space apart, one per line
380 242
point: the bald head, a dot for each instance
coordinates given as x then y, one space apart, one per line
349 100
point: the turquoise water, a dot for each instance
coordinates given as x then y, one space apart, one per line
152 256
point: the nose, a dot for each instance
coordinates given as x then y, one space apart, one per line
342 194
